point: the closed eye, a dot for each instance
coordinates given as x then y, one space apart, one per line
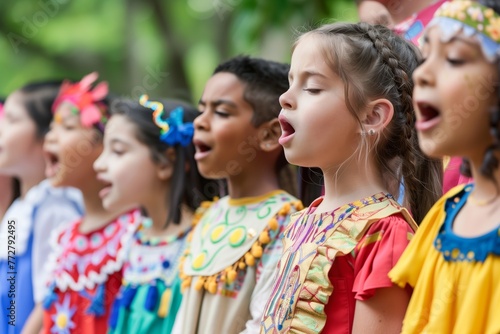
455 61
221 114
313 91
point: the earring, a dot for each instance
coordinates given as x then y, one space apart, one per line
268 145
371 132
147 222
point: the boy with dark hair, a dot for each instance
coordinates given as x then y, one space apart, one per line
234 250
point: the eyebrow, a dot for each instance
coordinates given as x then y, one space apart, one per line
217 103
308 74
118 141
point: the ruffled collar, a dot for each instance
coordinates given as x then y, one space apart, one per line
456 248
83 261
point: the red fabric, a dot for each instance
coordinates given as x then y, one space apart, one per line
83 257
452 176
357 276
84 323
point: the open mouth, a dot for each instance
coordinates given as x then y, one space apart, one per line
202 149
52 164
287 130
429 116
106 187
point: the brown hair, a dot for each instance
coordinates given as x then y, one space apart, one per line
373 62
490 161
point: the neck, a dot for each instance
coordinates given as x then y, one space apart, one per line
95 214
30 179
158 211
485 189
353 181
7 194
159 214
254 182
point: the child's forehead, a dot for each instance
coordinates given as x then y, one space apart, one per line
433 36
223 88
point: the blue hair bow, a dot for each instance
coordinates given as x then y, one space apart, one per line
178 132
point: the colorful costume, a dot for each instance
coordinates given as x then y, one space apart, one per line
413 27
86 275
332 259
32 218
151 292
455 278
230 262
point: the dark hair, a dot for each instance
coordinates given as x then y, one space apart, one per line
38 98
490 161
373 62
264 82
187 186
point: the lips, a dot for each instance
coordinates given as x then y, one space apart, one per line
202 149
287 130
107 187
428 116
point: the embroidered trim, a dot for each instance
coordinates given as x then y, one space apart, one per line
64 280
459 249
474 20
229 275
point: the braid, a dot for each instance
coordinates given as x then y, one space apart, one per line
373 62
415 167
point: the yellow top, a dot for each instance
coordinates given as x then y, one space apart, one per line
456 280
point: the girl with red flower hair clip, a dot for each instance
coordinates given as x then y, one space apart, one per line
86 267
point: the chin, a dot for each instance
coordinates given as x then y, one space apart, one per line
431 148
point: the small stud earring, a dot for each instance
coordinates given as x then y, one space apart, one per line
268 145
147 222
371 132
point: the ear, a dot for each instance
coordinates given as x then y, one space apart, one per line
165 168
378 115
269 133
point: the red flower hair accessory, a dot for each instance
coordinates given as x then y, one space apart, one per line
88 101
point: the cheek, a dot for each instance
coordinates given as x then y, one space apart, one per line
21 136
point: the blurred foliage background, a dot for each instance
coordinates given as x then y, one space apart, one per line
165 48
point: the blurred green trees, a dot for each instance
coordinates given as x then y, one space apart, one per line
161 47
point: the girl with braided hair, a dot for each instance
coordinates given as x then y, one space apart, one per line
349 112
453 263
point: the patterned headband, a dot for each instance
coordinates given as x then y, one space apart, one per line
87 101
474 20
173 130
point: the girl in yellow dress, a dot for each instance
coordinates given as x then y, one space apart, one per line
453 263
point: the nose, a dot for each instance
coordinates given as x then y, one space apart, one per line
286 100
201 122
50 136
99 164
423 75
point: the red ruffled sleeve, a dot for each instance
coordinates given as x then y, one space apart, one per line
377 253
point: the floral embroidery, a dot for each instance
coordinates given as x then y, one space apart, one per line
457 249
62 319
473 19
84 261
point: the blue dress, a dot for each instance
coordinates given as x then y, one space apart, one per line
24 236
